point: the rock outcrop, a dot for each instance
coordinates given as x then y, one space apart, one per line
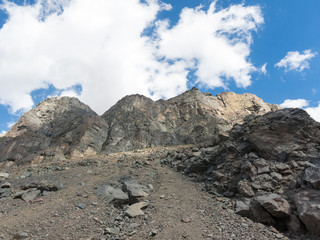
57 128
270 165
64 127
192 117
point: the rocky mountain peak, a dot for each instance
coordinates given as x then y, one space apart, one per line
68 127
45 112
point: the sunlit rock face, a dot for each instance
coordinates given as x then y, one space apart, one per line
63 127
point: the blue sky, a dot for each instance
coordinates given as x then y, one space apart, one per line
101 50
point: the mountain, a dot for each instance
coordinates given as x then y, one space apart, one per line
255 159
192 117
57 127
63 127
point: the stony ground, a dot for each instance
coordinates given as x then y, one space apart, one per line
178 208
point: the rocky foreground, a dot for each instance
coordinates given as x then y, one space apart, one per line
129 195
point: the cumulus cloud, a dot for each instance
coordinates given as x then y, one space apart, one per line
296 61
314 112
216 44
294 103
101 46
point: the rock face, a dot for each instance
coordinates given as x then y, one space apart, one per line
270 164
63 127
192 117
58 127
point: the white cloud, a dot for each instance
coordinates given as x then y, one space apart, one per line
314 112
3 133
216 44
296 61
264 69
99 44
10 124
294 103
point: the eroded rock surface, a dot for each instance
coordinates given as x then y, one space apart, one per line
57 128
62 127
192 117
262 164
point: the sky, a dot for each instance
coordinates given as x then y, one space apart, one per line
102 50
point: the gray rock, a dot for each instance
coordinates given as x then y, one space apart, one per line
112 231
5 192
243 208
31 195
81 206
247 167
308 207
276 176
311 177
293 224
4 175
245 189
275 205
136 191
113 195
265 169
49 186
259 214
136 209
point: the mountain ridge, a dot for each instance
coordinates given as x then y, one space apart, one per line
66 127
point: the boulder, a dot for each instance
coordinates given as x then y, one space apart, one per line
243 208
136 191
311 177
275 205
49 186
113 195
136 209
308 207
31 195
259 214
293 224
245 189
253 210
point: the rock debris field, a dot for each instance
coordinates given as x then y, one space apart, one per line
118 196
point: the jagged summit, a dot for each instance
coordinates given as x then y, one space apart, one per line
57 127
64 126
46 112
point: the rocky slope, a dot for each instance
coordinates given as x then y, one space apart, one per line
64 127
56 128
96 198
192 117
270 165
258 161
